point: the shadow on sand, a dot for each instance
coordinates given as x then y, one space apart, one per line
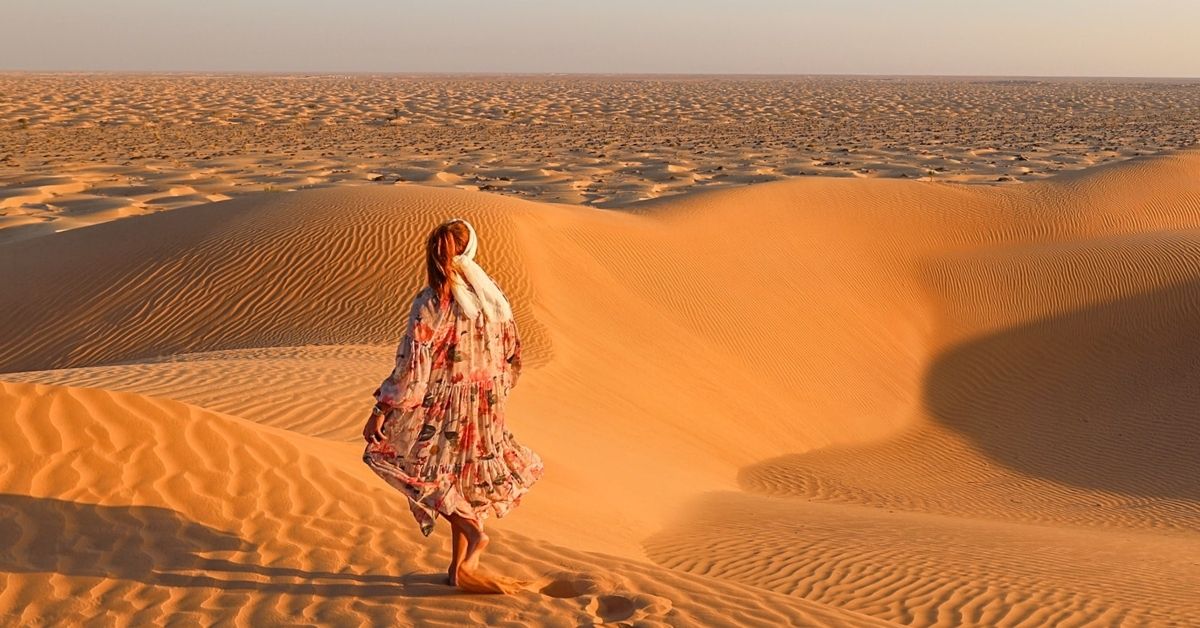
151 545
1106 397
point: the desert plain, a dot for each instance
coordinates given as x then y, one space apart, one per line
826 351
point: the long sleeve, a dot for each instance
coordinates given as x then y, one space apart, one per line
405 387
512 352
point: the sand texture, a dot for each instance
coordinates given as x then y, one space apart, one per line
816 401
81 149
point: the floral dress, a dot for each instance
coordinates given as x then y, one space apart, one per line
446 445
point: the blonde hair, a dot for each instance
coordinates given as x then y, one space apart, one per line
445 241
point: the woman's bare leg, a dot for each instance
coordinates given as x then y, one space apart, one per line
458 550
476 540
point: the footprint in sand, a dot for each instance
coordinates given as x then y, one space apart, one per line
604 605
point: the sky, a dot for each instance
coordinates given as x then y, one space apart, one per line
1150 38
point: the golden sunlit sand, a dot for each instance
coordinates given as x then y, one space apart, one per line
822 401
77 149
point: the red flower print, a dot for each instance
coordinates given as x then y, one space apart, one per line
439 358
422 332
482 377
466 436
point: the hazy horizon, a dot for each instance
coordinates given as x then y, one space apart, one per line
1018 38
468 73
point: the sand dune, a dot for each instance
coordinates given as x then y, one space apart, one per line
174 513
920 569
829 399
131 140
342 260
254 384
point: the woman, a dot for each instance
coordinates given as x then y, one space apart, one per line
437 431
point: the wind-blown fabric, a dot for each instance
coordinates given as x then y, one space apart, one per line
473 289
446 443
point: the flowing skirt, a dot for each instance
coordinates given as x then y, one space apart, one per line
454 455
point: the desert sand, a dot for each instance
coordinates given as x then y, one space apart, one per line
77 149
824 400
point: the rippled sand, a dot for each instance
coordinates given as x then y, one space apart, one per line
821 401
80 149
808 402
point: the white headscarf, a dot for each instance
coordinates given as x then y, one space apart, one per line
486 297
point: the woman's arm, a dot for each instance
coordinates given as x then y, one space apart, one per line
405 387
512 352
